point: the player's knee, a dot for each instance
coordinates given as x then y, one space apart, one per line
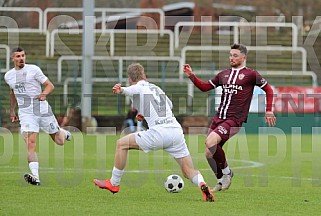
31 146
120 145
210 143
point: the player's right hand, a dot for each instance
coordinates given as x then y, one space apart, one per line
187 70
117 88
41 97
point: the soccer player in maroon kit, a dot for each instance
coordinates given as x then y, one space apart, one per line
237 85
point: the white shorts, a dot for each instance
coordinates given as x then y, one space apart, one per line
169 139
33 123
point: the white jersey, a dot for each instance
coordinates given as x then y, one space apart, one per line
26 85
151 101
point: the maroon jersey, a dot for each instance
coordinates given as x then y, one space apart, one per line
237 90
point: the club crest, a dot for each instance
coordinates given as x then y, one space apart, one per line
241 76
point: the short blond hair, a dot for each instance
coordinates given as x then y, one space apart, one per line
135 72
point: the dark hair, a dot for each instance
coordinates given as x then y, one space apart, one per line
240 47
17 49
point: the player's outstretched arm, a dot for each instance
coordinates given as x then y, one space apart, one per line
200 84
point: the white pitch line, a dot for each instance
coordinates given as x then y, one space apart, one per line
252 164
280 177
164 171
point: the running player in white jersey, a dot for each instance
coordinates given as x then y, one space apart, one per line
164 132
34 112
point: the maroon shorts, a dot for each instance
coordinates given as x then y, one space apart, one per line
225 128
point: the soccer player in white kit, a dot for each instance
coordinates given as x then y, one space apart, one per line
164 132
34 112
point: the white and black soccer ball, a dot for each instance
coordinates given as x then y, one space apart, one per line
174 183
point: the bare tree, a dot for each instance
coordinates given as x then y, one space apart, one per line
309 10
7 3
149 20
203 11
118 4
288 8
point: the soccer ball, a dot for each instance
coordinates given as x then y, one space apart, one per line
174 183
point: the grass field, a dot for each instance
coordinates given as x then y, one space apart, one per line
274 175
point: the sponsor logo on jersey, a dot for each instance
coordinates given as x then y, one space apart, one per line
232 88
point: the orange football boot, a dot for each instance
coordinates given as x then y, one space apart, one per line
106 184
207 194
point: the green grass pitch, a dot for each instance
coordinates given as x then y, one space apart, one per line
274 175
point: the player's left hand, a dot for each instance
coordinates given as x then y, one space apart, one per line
270 118
41 97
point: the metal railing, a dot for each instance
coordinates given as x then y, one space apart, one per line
255 48
299 74
50 37
119 58
236 26
190 87
7 49
120 77
103 12
26 9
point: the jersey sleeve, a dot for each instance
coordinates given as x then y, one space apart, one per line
169 102
6 79
131 90
39 75
200 84
215 81
259 80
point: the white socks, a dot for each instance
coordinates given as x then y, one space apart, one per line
226 170
34 167
66 133
198 179
116 176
